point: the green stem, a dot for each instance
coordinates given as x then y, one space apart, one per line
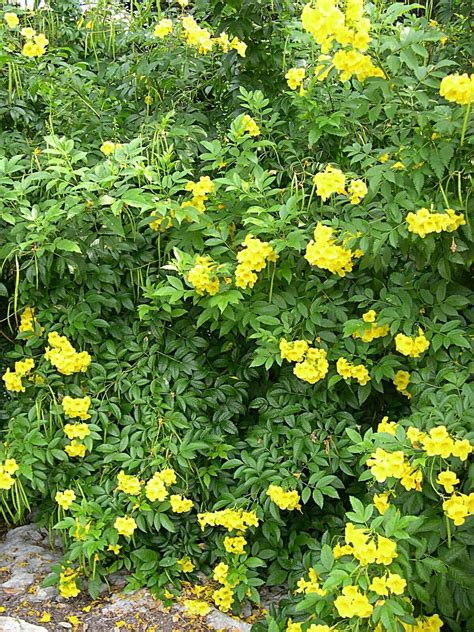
448 531
464 125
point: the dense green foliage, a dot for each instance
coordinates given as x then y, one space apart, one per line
196 382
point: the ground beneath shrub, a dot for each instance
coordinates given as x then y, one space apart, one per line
25 560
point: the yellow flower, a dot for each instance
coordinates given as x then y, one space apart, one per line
396 584
75 448
230 519
458 88
370 316
384 157
438 442
115 548
381 502
203 276
28 32
108 147
412 346
329 181
352 603
293 351
235 545
348 370
74 620
387 426
155 489
197 607
379 585
289 500
357 191
386 551
128 484
11 19
223 598
323 252
398 166
295 77
163 28
458 508
125 525
67 584
65 498
186 565
45 618
13 382
179 504
250 126
220 572
401 380
447 479
462 449
76 407
76 431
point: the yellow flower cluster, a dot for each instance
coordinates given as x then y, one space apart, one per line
352 62
235 545
284 499
230 519
353 603
7 469
156 487
197 607
179 504
203 277
412 346
458 88
374 331
386 584
202 38
64 357
75 448
65 498
459 507
249 126
357 190
323 252
13 379
293 351
329 25
11 19
163 28
76 406
295 78
200 191
385 465
35 45
108 147
128 484
76 431
348 370
312 364
67 584
401 381
329 181
253 258
223 598
311 585
364 548
438 442
125 525
423 222
28 321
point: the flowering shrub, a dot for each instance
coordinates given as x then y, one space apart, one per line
235 301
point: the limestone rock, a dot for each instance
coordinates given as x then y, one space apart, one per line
11 624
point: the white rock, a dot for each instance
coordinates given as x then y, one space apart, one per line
10 624
221 621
